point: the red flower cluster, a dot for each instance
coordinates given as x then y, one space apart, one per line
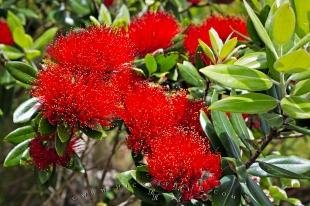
182 161
6 35
86 85
152 31
224 25
44 154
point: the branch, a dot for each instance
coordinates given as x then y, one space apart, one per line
265 143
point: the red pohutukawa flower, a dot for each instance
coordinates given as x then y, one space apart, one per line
95 49
224 25
108 2
148 111
6 35
153 31
182 161
43 153
78 100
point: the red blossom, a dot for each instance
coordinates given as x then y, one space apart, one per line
79 100
182 161
153 31
108 3
43 153
6 35
95 49
224 25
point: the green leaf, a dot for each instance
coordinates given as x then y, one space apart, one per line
300 76
292 164
255 60
216 41
280 172
296 107
150 63
1 113
238 77
32 53
207 50
63 132
301 88
274 120
45 38
80 7
124 178
26 110
60 146
167 62
228 48
14 156
13 21
251 103
20 134
241 129
21 71
284 15
300 43
257 192
76 164
104 16
277 193
190 74
45 127
228 193
123 17
94 21
261 31
22 39
44 175
97 133
302 10
296 61
11 52
225 131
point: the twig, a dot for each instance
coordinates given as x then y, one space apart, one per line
108 163
89 188
265 143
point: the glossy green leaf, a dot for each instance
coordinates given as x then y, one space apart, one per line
60 146
251 103
300 76
21 71
216 41
76 164
22 39
45 38
296 107
284 15
302 10
94 21
274 120
300 43
257 192
292 164
280 172
166 62
96 133
63 132
20 134
238 77
104 16
13 21
301 88
31 54
45 127
228 193
207 50
11 52
277 193
255 60
225 131
26 110
150 63
297 61
261 31
190 74
228 47
241 129
14 156
45 175
123 17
